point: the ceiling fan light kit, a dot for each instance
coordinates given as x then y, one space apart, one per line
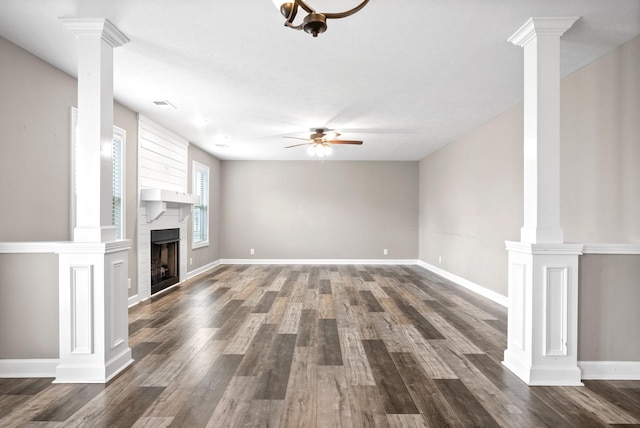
314 23
320 150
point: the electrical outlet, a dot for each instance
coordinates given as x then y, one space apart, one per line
439 259
129 283
385 251
252 251
190 261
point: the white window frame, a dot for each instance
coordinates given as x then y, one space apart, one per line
199 168
119 134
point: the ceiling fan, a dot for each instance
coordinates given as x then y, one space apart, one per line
320 142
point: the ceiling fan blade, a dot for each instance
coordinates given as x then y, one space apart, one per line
297 138
344 142
331 135
297 145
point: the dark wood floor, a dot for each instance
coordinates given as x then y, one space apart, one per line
307 346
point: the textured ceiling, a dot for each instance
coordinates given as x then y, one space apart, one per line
405 76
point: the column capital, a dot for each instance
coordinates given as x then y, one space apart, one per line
102 27
543 26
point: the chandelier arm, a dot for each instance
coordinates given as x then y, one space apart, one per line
294 27
305 6
344 14
292 15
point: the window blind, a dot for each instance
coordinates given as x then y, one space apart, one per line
200 210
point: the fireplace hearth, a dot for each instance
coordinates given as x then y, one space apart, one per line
165 266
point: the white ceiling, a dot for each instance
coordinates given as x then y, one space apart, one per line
405 76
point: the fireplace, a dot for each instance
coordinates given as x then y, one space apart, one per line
165 265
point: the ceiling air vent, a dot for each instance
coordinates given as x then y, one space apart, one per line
165 104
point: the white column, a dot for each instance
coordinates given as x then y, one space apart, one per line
93 270
543 271
540 38
96 39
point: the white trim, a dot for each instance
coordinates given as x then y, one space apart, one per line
121 134
29 247
93 373
82 27
133 300
591 248
27 368
34 247
317 262
610 370
476 288
202 269
543 26
201 168
73 124
546 249
63 247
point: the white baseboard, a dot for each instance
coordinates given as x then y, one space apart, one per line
476 288
28 368
317 262
133 300
202 269
610 370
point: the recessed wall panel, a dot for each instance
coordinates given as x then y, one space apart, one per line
82 309
555 320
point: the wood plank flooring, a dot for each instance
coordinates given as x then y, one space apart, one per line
317 346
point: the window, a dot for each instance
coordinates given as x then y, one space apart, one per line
118 188
201 209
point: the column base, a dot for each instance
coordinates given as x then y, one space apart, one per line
542 376
542 326
93 315
93 373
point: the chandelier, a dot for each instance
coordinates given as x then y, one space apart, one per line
314 23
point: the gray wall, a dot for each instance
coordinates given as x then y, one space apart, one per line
471 202
609 293
319 210
34 143
35 123
600 150
28 306
471 197
203 256
35 177
471 190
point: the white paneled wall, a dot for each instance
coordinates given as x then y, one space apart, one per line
162 164
162 157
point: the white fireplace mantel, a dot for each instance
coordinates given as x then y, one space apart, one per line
157 201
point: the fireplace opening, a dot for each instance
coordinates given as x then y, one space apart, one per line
165 266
